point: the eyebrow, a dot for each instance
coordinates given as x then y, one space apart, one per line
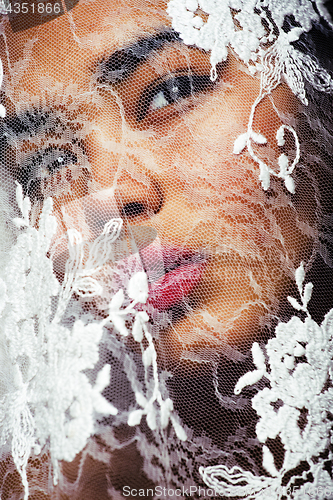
124 62
21 127
28 123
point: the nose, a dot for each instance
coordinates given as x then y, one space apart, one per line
121 187
121 167
138 199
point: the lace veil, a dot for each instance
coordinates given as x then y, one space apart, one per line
166 246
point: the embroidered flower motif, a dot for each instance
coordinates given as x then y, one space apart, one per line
296 407
48 398
247 27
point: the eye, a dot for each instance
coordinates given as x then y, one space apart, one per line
171 91
133 209
46 171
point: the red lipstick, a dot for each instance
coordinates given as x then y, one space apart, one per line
183 270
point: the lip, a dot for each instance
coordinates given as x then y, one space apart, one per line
173 272
182 271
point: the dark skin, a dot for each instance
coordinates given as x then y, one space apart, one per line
163 144
217 115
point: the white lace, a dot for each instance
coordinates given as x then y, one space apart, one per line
48 398
297 387
239 24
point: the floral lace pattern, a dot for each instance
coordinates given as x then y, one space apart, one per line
47 396
296 407
92 372
256 32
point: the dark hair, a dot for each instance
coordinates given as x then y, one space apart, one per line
315 129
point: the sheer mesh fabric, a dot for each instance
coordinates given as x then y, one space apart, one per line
166 268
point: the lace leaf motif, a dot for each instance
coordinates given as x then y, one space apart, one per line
48 402
300 375
46 399
256 33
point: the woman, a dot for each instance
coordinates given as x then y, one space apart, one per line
165 208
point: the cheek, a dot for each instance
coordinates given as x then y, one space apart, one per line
201 153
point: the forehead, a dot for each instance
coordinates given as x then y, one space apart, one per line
67 46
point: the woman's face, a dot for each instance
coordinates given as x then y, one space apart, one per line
155 136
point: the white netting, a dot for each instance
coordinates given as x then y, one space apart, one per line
166 249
